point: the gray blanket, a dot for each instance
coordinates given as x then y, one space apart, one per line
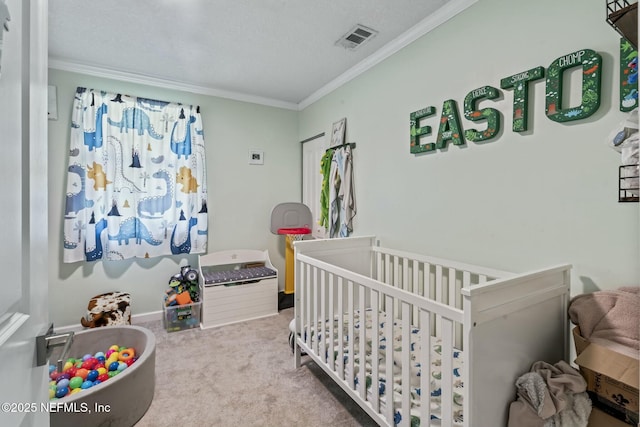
550 396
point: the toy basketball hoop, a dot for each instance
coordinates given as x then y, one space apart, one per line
294 233
294 221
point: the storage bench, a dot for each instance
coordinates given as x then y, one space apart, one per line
237 285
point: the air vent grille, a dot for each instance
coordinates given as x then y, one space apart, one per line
356 37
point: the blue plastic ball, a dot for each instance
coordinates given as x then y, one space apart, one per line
99 354
86 356
62 391
92 375
87 384
113 366
63 383
122 366
52 368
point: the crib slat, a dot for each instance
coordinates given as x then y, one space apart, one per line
451 287
331 317
340 326
375 352
447 372
315 313
350 334
425 368
362 350
322 337
388 356
438 297
415 288
309 296
406 365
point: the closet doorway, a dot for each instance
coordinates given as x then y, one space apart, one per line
312 151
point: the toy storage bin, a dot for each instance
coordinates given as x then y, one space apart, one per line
181 317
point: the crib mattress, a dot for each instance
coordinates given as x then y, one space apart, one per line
436 363
242 275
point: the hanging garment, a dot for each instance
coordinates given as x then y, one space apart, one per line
325 170
348 194
136 182
342 194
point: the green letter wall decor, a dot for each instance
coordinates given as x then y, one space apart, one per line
417 131
491 115
591 64
520 84
450 128
628 76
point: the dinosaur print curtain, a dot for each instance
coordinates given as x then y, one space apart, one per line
136 182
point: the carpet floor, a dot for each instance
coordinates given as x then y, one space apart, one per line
242 375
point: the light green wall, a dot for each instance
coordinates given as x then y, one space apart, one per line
241 196
521 202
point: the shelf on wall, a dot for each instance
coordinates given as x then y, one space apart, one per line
622 15
628 183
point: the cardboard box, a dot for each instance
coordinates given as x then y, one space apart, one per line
612 379
601 419
181 317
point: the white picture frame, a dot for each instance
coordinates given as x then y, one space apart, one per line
256 157
338 132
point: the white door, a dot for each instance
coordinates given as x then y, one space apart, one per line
23 190
312 152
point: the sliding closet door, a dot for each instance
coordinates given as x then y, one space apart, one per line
312 151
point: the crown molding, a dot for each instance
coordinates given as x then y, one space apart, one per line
439 17
446 12
142 79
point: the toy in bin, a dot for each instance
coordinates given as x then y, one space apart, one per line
183 288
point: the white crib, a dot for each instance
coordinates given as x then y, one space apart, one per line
500 322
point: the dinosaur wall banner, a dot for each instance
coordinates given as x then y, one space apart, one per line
450 128
136 182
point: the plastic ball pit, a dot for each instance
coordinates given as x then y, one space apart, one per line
127 395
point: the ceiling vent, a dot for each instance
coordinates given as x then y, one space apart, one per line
356 37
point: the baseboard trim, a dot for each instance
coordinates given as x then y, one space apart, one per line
136 319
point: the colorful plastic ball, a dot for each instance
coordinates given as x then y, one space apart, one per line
87 384
71 371
122 366
101 358
129 362
86 356
103 377
92 375
101 370
63 383
76 390
75 382
112 374
108 353
98 355
82 373
62 392
53 375
52 368
114 347
113 366
52 394
67 366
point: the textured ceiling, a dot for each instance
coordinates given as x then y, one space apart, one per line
278 50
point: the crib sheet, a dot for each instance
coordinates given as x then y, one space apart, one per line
382 342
